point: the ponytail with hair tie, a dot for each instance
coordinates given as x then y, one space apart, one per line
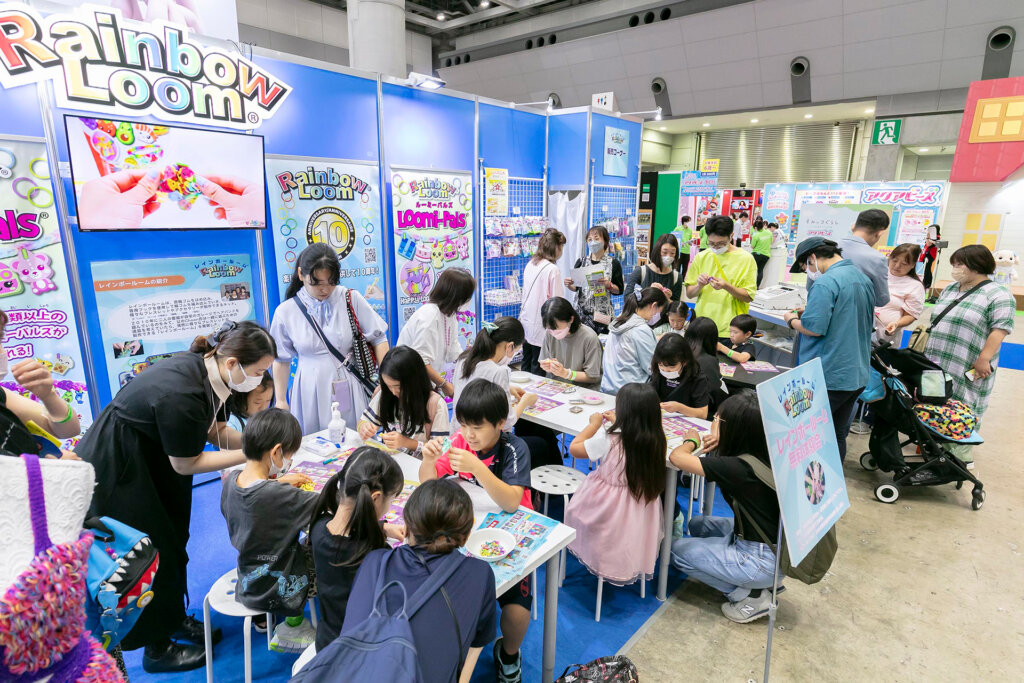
215 338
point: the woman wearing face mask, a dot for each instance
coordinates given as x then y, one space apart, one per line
594 304
906 294
630 346
50 413
541 280
662 271
146 445
316 308
678 378
966 341
571 351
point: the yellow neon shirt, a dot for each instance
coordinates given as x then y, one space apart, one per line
736 267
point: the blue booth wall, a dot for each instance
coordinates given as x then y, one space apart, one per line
599 122
513 139
568 161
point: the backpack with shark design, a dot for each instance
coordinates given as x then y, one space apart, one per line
122 565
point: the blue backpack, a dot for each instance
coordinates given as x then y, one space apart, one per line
381 648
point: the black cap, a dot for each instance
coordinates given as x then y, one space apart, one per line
806 247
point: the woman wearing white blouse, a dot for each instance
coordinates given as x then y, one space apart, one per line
541 280
433 330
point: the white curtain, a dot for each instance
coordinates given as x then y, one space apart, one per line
567 217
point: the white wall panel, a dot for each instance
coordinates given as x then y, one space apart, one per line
772 14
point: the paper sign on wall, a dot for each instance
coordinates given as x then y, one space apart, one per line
496 191
616 151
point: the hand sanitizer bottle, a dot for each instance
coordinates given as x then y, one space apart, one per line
336 428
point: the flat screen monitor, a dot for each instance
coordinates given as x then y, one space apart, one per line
142 176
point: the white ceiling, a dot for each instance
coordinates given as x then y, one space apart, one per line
846 111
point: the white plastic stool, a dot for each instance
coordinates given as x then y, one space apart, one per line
221 598
600 590
558 480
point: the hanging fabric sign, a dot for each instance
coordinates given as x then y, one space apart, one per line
34 290
334 202
433 231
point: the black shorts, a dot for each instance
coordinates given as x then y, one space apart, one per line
520 595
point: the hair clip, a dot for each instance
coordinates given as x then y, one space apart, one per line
214 338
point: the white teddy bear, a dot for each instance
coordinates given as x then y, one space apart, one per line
1005 273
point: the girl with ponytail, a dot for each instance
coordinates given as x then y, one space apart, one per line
439 519
345 527
630 346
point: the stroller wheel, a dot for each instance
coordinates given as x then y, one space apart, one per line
867 461
959 484
977 499
887 493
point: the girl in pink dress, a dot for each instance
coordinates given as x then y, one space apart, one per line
906 294
617 511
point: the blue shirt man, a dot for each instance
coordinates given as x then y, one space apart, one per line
869 261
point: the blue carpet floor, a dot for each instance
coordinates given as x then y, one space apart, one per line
580 638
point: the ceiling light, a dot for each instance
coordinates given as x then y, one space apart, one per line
663 128
484 4
923 149
753 120
706 125
424 81
441 16
658 116
808 116
869 111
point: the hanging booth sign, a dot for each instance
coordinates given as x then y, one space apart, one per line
334 202
151 309
496 189
616 151
100 61
804 455
34 289
433 231
698 184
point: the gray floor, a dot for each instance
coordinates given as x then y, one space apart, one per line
922 590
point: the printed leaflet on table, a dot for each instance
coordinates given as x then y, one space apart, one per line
759 366
333 202
727 369
395 513
542 405
530 530
34 289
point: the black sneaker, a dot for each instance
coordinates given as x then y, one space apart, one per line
192 631
173 657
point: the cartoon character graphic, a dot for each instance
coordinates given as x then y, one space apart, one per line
437 255
144 134
125 133
462 244
35 269
423 251
10 284
407 247
450 252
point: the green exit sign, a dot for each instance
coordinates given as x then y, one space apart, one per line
886 132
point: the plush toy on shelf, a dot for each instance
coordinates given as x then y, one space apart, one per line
1006 274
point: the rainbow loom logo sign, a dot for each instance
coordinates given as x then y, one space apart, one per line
99 61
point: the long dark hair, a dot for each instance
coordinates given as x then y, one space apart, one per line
439 516
648 296
247 341
503 329
405 365
368 469
740 429
638 424
672 349
702 334
317 256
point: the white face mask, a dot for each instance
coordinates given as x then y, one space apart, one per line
275 471
720 250
247 384
959 274
595 247
669 374
507 358
812 274
3 362
655 319
667 261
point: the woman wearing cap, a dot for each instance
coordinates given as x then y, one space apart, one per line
146 445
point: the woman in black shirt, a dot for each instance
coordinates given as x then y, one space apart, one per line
594 304
661 270
678 379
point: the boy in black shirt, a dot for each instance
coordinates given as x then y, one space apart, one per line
740 348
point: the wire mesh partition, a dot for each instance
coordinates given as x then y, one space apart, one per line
508 246
614 206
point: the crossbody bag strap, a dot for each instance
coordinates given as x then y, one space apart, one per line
319 332
937 319
539 273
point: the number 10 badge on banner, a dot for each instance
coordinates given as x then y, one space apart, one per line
802 446
333 202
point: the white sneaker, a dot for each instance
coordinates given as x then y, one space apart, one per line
679 527
293 638
748 609
969 465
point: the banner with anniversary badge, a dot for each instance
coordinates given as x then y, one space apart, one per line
329 201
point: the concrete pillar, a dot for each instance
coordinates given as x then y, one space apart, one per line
376 35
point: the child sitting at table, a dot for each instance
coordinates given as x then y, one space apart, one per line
702 336
406 406
740 349
678 379
741 568
345 527
499 462
242 406
272 572
617 511
679 316
439 519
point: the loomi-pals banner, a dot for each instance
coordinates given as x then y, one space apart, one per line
34 290
101 61
912 205
334 202
433 231
151 309
804 454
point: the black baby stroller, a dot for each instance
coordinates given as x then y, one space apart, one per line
910 396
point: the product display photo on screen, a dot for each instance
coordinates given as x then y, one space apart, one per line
139 176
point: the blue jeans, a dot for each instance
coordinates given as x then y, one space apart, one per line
712 555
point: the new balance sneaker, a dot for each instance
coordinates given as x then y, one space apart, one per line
507 673
748 609
679 527
288 638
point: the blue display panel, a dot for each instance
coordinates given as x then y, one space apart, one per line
567 138
512 139
599 122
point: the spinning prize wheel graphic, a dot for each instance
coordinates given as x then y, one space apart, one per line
814 482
